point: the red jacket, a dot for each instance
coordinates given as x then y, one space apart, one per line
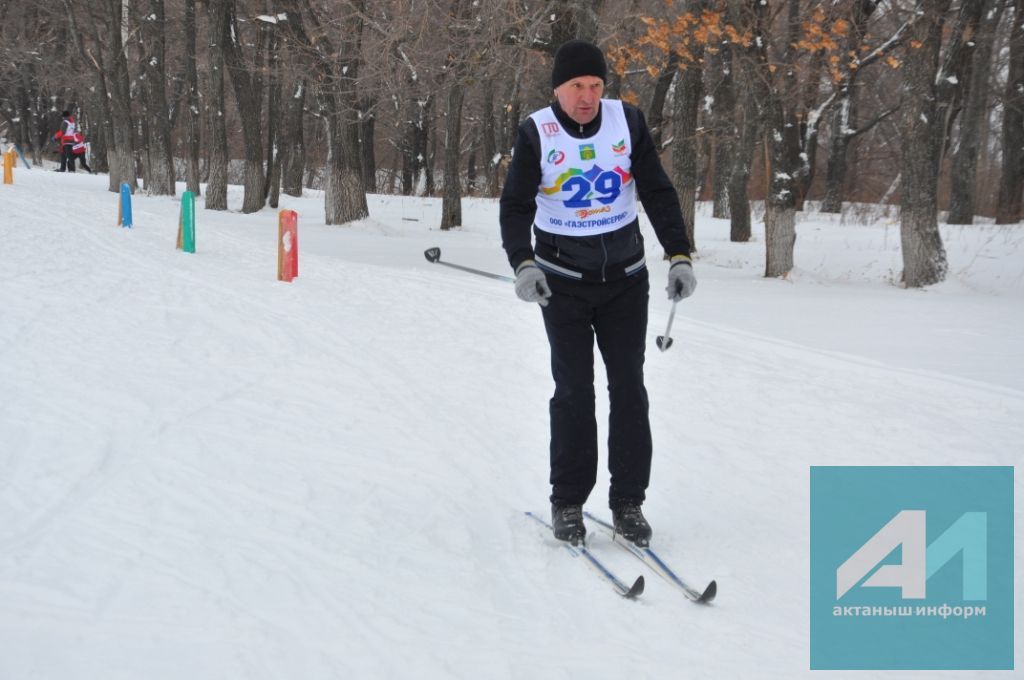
66 133
79 147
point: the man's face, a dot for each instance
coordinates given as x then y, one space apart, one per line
580 98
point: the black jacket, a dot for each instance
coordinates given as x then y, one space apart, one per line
605 257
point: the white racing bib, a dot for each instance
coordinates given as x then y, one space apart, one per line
586 185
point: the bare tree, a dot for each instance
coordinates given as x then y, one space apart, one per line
192 87
338 96
1011 182
151 36
685 145
924 257
246 72
461 25
217 182
963 173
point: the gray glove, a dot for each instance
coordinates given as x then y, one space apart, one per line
681 281
531 284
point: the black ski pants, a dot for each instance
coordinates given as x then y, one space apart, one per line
67 158
614 313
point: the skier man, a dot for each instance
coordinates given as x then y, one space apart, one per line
577 169
78 149
65 138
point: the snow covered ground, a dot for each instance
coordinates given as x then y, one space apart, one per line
206 473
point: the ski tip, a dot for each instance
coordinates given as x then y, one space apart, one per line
637 590
709 593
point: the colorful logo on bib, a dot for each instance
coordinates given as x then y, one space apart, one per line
619 148
603 186
555 157
550 129
587 152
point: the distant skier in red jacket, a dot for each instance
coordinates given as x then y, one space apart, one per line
79 149
65 138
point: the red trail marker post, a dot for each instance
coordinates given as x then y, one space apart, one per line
287 245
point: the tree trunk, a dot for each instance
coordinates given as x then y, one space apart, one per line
192 85
415 142
924 258
247 84
572 19
272 183
656 111
741 164
781 163
345 195
488 132
956 69
293 161
460 27
686 152
725 130
838 149
344 190
110 67
1011 182
160 180
451 203
121 154
963 173
217 168
780 238
429 187
367 143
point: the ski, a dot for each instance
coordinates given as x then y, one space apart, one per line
628 592
656 564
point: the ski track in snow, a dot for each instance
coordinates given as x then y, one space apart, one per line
205 473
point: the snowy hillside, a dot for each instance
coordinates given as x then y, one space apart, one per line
209 474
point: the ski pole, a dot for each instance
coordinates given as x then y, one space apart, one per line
434 255
665 341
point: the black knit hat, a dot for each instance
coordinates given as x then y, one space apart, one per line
578 58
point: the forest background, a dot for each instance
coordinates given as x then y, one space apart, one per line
764 107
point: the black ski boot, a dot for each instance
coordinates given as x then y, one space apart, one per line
567 523
630 523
